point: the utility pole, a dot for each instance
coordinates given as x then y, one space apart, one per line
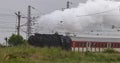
6 39
29 22
68 4
18 27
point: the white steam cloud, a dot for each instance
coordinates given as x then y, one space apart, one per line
76 19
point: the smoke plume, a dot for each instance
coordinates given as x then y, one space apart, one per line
76 19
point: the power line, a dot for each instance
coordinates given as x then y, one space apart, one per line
6 9
6 19
34 8
38 11
6 14
96 13
7 31
2 17
23 15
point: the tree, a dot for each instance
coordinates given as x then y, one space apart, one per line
15 40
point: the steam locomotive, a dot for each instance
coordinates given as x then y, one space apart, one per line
50 40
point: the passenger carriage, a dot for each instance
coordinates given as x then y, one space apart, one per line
95 44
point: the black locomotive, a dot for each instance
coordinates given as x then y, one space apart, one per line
50 40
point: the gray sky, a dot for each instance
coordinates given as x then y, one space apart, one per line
8 7
43 5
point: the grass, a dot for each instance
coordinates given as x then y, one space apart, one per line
28 54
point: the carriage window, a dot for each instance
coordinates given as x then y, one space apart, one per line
111 44
94 44
114 45
85 44
99 44
119 45
104 44
80 44
77 44
91 44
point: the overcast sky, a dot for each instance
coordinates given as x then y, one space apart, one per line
43 5
8 7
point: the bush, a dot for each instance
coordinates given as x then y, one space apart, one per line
15 40
109 50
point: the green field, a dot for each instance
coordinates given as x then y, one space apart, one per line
28 54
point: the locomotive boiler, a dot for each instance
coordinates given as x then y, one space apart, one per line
50 40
